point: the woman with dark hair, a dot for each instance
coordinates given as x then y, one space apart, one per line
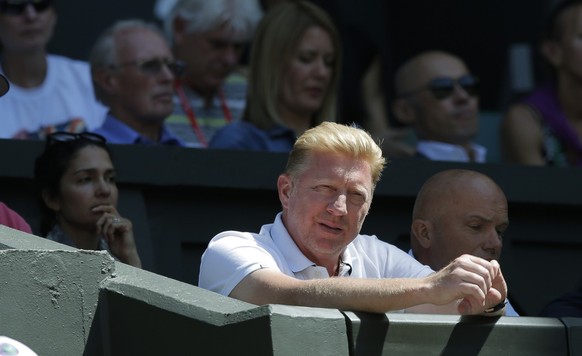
75 178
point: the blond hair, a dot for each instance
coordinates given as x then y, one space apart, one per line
332 137
277 36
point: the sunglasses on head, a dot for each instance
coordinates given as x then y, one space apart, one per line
17 7
443 87
154 66
63 136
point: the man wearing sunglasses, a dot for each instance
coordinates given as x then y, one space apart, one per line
47 90
438 96
133 73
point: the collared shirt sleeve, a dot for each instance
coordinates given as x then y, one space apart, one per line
230 257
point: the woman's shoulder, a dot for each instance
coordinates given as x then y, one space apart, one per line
66 63
238 134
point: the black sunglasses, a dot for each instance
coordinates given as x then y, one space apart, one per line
63 136
154 66
17 7
443 87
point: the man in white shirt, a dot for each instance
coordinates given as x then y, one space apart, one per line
313 254
438 96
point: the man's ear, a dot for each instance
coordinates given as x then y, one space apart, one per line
552 52
105 79
51 202
284 187
404 111
421 231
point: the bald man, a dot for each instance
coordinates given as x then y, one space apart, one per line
458 212
437 96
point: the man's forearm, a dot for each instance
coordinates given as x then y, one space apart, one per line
371 295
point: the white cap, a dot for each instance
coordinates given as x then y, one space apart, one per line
10 346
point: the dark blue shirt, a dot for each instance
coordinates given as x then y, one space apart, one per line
242 135
118 132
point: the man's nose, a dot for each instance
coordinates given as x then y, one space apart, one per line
338 205
167 74
460 93
494 242
231 55
29 11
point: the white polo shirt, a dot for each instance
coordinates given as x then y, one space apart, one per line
232 255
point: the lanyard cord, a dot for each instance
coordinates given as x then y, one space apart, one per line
189 111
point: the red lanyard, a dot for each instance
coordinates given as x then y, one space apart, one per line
189 111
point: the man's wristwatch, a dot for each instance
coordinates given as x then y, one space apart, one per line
496 310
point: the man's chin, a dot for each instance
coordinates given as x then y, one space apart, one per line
158 115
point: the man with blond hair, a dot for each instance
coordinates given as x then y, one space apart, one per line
314 255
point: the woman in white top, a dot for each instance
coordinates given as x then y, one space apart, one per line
46 91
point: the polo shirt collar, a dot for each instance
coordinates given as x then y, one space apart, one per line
120 132
293 255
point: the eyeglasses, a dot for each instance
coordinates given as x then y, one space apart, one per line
154 66
63 136
443 87
17 7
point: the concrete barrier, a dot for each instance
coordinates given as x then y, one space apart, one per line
63 301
